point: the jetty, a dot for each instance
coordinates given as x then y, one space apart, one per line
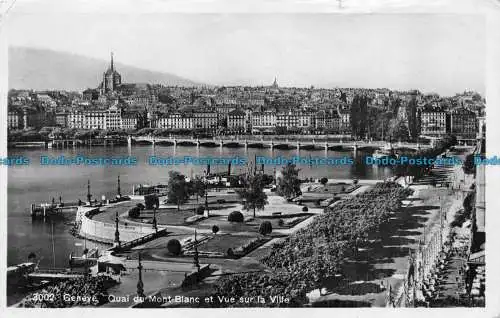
48 209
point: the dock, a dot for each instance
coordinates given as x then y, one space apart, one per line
54 274
48 209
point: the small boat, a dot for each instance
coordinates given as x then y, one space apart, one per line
16 274
386 151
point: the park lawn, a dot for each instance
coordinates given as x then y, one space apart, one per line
168 216
251 225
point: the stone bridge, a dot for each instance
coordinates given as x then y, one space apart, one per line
271 143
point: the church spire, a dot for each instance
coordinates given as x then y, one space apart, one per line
112 64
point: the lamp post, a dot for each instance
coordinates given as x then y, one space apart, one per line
140 284
196 259
118 190
117 232
206 194
155 224
89 196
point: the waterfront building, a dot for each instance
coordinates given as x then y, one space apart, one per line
463 123
305 121
345 120
94 119
130 121
433 122
206 120
15 120
263 121
109 119
236 121
327 121
76 119
288 120
176 121
62 119
113 116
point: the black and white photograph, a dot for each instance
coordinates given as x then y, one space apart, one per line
198 160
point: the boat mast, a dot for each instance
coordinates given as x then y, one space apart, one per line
53 246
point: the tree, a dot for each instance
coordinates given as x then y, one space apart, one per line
469 167
288 182
174 247
134 213
31 257
215 229
323 180
198 188
359 114
200 210
151 201
253 193
235 216
411 114
177 190
398 130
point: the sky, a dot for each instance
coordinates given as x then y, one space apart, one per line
443 53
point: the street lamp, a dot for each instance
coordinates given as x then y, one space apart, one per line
155 224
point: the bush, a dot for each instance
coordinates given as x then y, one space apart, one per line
305 209
468 166
265 228
235 216
134 213
200 210
230 252
215 229
151 201
323 180
281 222
174 247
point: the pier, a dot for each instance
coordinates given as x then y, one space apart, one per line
48 209
54 274
67 143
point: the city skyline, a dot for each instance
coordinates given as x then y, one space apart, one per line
425 52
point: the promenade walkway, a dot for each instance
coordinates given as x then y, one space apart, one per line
452 283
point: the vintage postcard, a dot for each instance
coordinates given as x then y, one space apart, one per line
211 158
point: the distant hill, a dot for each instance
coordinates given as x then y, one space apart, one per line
40 69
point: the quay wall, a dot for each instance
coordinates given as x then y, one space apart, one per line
105 232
